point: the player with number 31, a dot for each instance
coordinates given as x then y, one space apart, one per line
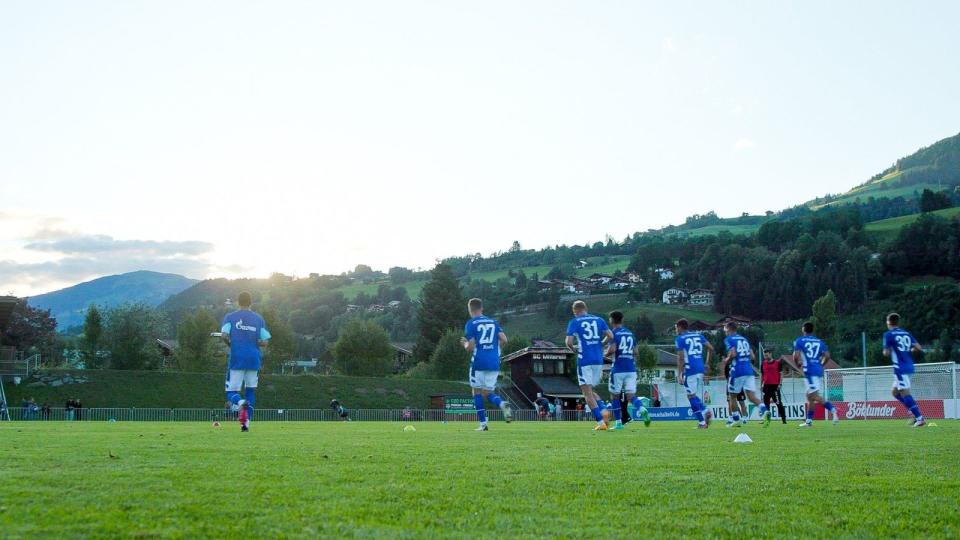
586 335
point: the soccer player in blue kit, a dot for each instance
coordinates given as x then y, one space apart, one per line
586 334
811 352
244 331
693 355
742 376
623 374
483 338
899 345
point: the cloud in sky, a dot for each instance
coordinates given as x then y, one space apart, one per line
40 259
102 244
744 144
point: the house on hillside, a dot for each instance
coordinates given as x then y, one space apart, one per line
741 321
393 304
675 296
599 279
666 366
633 277
546 284
701 326
402 356
619 284
581 264
701 297
352 308
376 308
582 285
665 273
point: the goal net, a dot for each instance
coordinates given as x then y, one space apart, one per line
865 393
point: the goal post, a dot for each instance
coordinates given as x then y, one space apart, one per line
865 393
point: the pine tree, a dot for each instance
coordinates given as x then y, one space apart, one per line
825 317
92 336
442 308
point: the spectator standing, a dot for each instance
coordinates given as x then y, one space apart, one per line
68 409
45 411
78 408
558 405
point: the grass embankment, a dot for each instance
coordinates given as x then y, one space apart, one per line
186 390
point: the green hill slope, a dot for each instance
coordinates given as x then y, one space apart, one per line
934 167
888 228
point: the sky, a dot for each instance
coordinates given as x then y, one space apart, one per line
227 139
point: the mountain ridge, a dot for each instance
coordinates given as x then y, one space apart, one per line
68 305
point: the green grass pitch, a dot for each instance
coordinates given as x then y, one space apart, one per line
879 479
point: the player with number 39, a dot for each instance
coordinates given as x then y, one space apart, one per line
900 345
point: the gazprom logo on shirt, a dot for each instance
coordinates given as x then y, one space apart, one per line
241 326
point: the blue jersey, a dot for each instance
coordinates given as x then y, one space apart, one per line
589 330
485 332
741 362
693 345
900 342
811 349
245 328
625 343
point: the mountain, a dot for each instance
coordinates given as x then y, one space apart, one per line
150 288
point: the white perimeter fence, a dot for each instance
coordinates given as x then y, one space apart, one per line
858 393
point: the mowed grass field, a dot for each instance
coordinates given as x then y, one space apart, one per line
521 480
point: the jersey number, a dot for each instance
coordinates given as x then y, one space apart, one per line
694 347
743 348
486 333
590 330
813 350
626 345
903 343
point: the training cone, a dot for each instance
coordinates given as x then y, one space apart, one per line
743 438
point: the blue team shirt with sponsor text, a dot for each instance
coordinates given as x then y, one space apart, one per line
741 362
485 331
900 342
811 349
589 330
245 328
624 361
693 346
